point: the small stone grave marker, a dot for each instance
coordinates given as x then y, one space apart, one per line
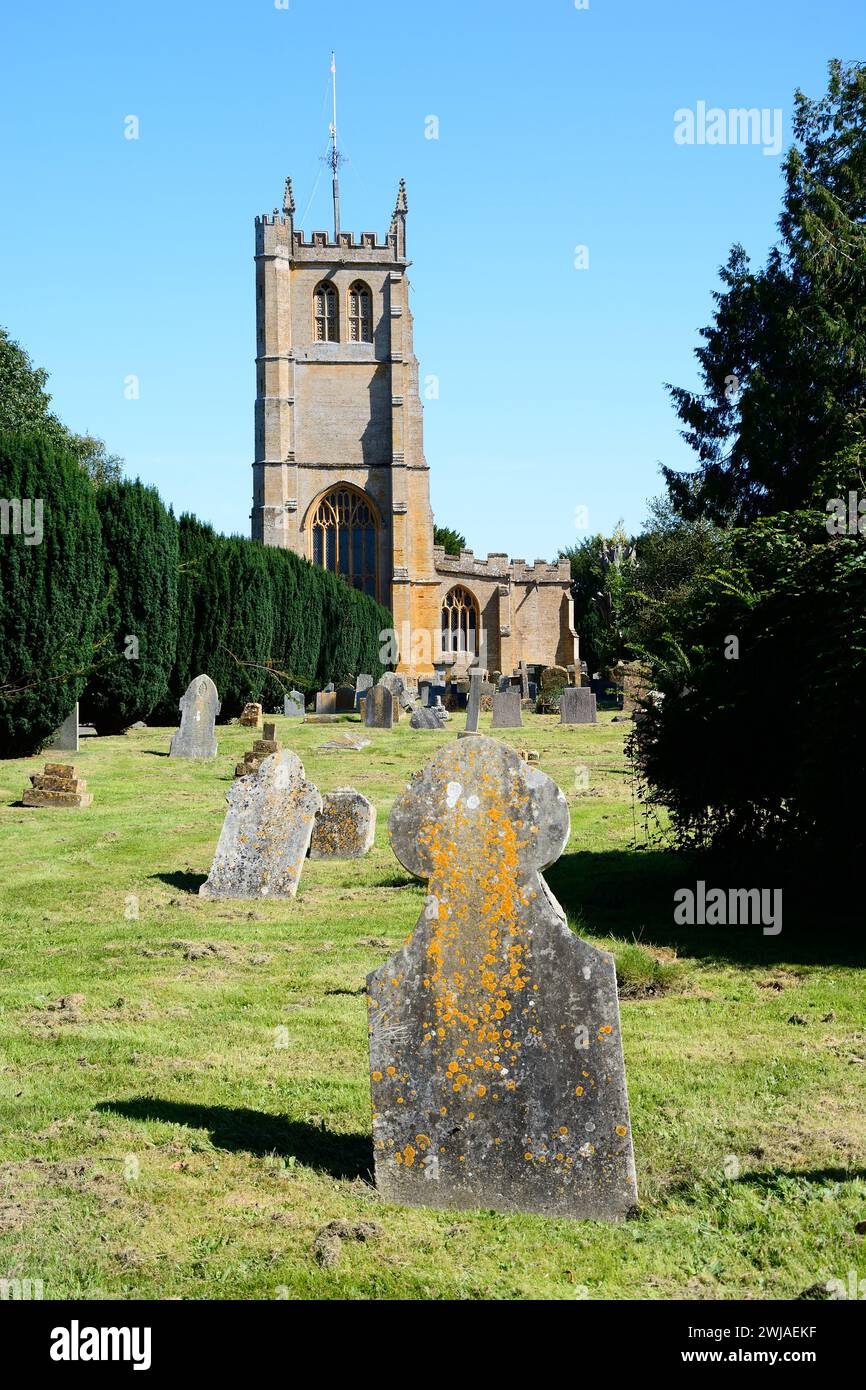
345 827
293 705
59 785
65 740
251 716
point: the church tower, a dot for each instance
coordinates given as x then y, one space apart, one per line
339 474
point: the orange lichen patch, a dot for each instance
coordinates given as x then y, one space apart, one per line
563 1129
422 1140
606 1028
481 1090
621 1129
392 1071
398 1157
578 1090
399 1100
528 1157
377 1076
409 1153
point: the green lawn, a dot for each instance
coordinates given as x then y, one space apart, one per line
184 1094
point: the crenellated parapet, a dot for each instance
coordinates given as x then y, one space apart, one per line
497 566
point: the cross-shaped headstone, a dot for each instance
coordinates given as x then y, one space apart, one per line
495 1055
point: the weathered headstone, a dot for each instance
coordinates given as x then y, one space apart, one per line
199 708
380 708
577 705
432 717
506 709
65 740
326 702
266 832
473 706
523 671
345 695
251 716
504 683
393 682
329 687
362 685
495 1054
293 705
58 785
345 827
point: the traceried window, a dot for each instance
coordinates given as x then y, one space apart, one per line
344 533
459 622
325 314
360 313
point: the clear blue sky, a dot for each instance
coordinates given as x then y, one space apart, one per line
123 257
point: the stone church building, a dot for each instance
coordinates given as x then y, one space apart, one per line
340 474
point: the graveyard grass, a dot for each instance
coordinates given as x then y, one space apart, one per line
185 1100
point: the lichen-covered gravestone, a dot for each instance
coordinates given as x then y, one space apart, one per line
577 705
506 709
496 1062
199 708
266 832
345 827
380 708
293 705
251 716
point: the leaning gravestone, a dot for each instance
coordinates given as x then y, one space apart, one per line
345 699
495 1055
266 832
380 707
345 827
65 740
293 705
198 711
432 717
506 709
326 702
577 705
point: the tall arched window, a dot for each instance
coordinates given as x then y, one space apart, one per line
360 313
460 622
343 535
325 313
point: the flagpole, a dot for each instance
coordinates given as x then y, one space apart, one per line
335 158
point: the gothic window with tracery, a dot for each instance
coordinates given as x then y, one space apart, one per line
344 532
460 622
360 313
325 313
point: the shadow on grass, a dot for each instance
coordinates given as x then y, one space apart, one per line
186 883
781 1178
629 894
153 752
256 1132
